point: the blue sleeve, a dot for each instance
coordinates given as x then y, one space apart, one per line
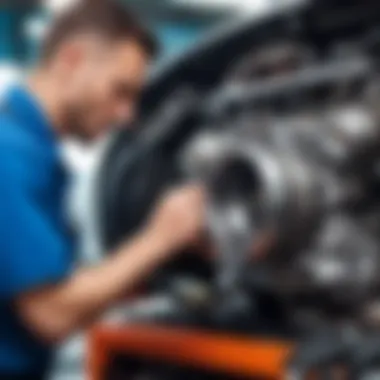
32 253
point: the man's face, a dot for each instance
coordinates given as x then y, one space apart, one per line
104 83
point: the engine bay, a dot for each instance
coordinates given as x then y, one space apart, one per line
278 116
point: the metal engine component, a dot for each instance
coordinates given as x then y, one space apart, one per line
297 195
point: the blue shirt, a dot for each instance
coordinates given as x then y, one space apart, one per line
35 245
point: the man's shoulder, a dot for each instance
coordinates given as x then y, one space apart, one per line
17 147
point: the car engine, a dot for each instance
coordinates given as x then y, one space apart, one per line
278 117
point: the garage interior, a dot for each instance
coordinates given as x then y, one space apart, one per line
273 106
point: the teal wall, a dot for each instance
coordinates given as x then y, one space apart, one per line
177 37
13 42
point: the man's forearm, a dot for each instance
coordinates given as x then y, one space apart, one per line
56 312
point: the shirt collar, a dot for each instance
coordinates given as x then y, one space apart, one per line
22 104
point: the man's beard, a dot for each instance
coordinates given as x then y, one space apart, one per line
76 122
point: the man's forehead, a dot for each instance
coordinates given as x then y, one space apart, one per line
126 48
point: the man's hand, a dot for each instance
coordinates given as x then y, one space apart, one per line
179 218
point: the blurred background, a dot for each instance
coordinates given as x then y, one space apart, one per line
178 25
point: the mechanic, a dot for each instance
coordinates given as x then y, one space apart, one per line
92 70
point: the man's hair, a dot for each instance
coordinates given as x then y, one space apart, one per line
106 18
